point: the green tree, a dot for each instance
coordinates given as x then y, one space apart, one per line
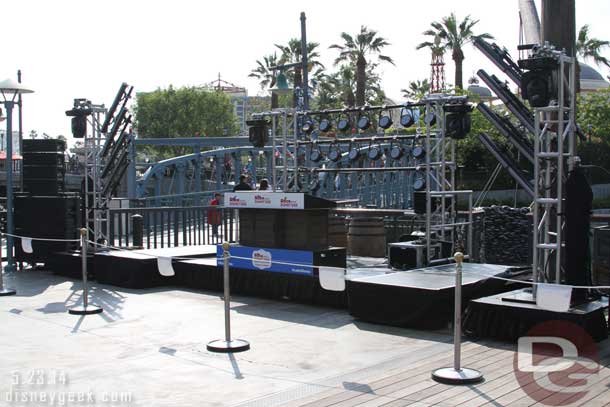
591 48
453 36
417 89
593 115
266 75
183 112
355 50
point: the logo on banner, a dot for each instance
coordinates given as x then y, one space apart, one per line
556 362
286 202
236 201
259 199
261 259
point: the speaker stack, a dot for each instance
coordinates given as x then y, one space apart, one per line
44 210
44 167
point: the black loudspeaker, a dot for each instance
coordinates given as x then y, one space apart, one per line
419 202
44 166
43 171
52 217
44 146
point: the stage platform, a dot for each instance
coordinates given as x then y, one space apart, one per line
138 268
495 317
420 298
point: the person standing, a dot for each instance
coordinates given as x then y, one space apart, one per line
243 184
214 216
264 185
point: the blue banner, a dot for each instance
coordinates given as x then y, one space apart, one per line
255 258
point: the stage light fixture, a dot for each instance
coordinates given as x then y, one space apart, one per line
385 120
418 152
539 83
354 153
419 184
430 118
79 112
325 125
258 132
457 120
407 118
343 123
364 122
375 152
396 152
308 125
335 153
315 155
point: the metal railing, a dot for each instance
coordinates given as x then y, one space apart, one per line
171 226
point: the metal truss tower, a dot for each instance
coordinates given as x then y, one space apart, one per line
554 149
437 72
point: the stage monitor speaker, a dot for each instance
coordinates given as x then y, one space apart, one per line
407 255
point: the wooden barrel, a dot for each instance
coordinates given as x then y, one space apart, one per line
366 237
337 231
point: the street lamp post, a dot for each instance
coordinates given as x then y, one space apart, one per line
9 90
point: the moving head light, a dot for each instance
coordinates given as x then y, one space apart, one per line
539 82
79 112
258 132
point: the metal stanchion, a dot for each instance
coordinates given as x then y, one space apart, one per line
227 345
457 374
4 292
86 308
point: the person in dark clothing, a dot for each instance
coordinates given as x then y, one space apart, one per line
243 184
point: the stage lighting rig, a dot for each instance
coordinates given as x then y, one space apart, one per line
539 83
500 57
457 120
79 112
258 131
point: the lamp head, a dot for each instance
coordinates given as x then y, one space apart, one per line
281 85
9 89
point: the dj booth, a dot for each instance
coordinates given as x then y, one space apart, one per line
283 242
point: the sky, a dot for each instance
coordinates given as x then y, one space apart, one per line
70 49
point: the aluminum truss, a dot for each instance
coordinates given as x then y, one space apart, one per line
554 147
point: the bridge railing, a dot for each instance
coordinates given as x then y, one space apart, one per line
172 226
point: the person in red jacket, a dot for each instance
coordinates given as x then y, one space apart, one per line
214 218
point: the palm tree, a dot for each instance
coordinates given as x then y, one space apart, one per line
266 75
454 35
291 53
417 89
591 47
355 51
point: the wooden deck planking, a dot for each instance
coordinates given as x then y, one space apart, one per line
402 384
413 386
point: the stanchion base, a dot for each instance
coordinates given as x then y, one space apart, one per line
234 346
89 310
449 375
6 292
